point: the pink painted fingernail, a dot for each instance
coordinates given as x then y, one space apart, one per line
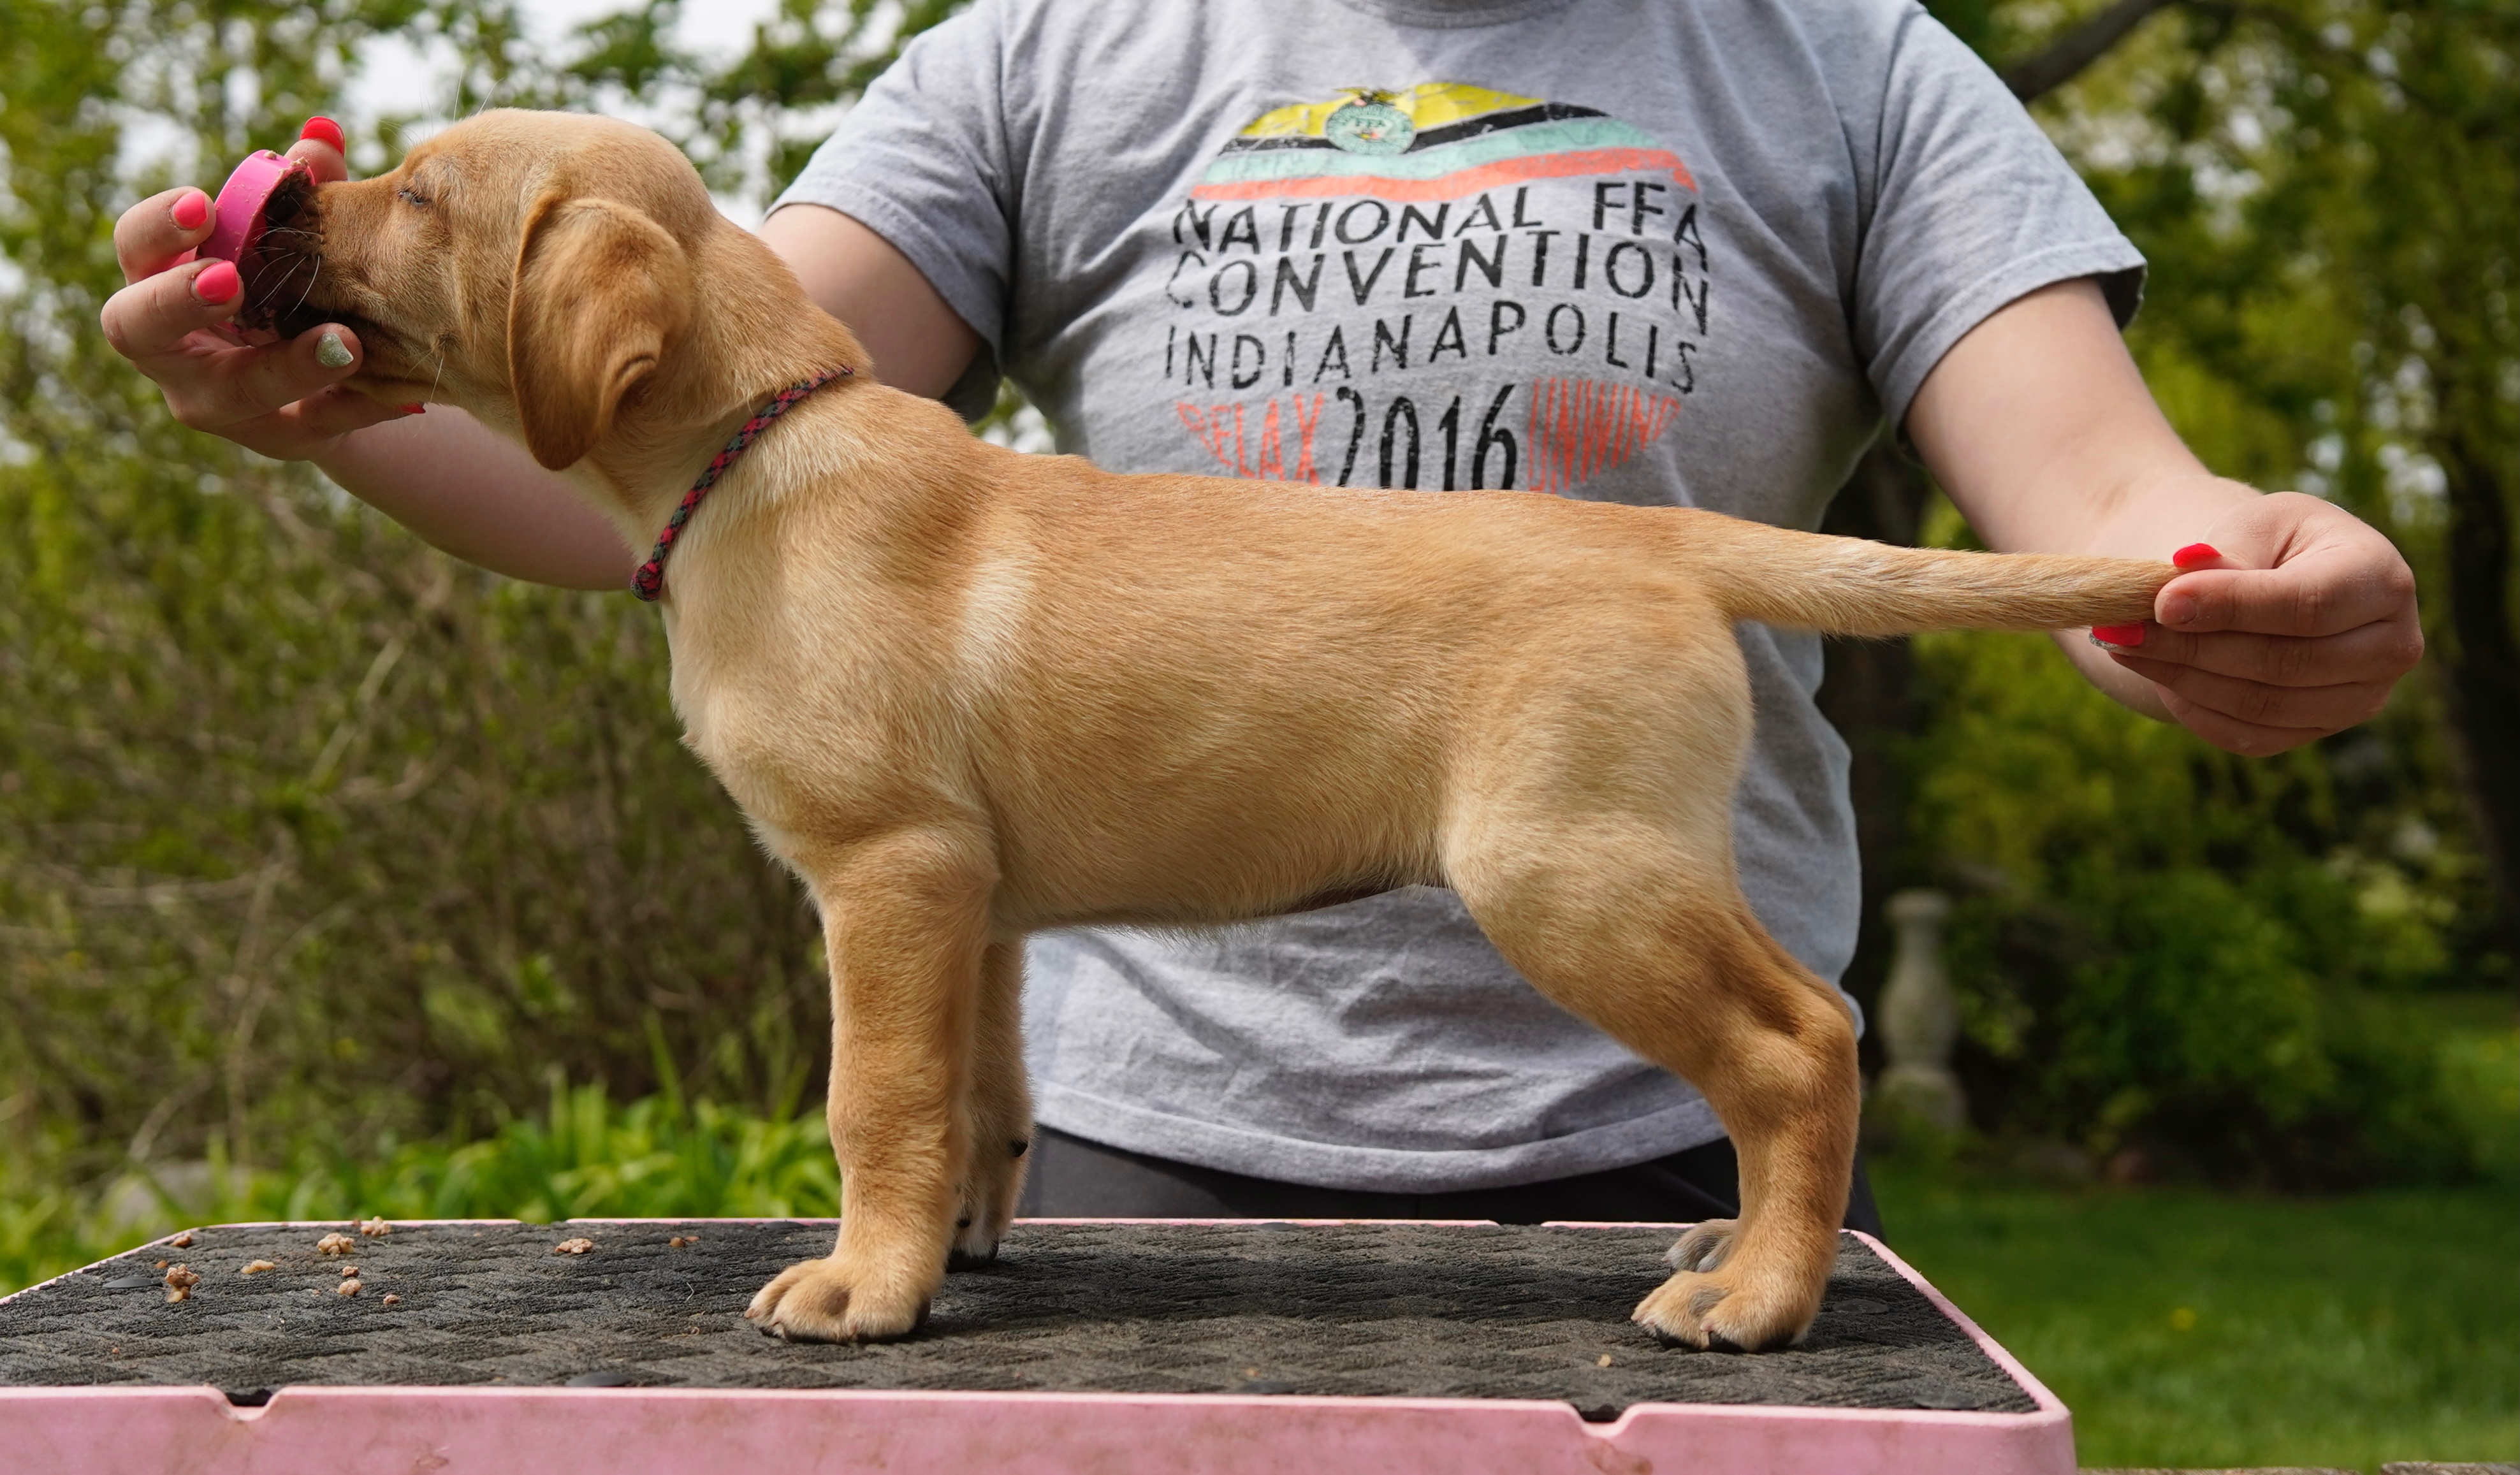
327 132
2195 554
217 283
2129 636
413 409
191 210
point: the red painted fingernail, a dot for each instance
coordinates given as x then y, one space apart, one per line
191 210
2118 635
217 283
327 132
413 409
2195 554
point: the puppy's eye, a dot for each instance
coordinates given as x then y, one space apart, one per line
410 195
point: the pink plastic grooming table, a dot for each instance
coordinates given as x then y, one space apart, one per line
1052 1361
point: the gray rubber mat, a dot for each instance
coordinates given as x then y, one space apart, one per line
1359 1309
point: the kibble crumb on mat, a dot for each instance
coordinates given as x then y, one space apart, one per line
376 1228
1410 1311
574 1246
336 1244
180 1281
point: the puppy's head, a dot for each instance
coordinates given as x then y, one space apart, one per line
536 268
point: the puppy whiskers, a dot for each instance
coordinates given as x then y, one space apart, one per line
278 284
311 278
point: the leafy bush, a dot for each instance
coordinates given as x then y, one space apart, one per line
2160 945
308 833
583 1157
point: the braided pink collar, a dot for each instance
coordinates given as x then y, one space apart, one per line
649 583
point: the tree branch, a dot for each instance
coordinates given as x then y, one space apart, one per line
2067 55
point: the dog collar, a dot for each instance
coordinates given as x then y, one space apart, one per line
649 583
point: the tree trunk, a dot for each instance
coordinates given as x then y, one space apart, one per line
2485 667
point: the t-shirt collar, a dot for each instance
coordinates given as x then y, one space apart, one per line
1454 15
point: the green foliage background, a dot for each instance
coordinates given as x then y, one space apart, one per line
2221 961
316 846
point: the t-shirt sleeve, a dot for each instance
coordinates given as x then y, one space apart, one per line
925 161
1970 207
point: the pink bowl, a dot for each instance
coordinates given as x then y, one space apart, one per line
240 203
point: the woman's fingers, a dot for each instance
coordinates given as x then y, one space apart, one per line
2298 566
2325 590
2321 709
156 315
2382 650
238 385
161 232
158 232
2231 735
281 399
213 384
322 149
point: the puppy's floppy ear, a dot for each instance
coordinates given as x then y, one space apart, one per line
602 294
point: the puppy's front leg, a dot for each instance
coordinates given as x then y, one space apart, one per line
904 919
1001 1108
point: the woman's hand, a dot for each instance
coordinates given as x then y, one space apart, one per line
2296 628
283 400
2297 618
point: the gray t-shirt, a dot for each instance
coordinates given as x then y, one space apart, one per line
1657 252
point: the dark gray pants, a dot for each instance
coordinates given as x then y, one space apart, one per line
1075 1179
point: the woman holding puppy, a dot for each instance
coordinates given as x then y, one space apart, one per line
1612 250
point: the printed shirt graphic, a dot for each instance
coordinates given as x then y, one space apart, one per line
1502 233
1434 142
1615 250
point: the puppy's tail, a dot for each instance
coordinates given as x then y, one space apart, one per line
1847 586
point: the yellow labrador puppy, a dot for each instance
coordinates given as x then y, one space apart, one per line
966 694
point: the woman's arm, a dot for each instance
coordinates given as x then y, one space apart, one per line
483 499
440 473
2042 430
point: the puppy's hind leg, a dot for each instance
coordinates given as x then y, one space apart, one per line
1000 1104
1666 957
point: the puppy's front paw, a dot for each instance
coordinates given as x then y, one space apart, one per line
975 1241
831 1301
1726 1311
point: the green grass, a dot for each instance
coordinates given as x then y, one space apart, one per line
2188 1328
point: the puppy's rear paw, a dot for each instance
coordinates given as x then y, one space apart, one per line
826 1301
